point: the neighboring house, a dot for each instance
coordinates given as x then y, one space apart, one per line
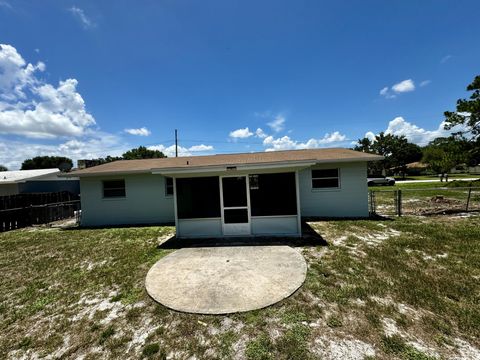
420 168
36 181
264 193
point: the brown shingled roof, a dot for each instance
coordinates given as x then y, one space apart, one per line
255 158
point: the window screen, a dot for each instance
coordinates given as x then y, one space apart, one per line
325 178
236 216
198 197
273 194
234 191
168 186
113 188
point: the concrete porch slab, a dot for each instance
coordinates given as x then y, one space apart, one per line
223 280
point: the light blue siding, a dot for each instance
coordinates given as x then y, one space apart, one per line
145 201
349 200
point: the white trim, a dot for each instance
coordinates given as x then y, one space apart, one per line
238 167
200 219
165 186
175 210
273 216
222 207
332 188
299 215
104 173
237 207
118 197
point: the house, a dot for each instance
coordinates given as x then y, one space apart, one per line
36 181
263 193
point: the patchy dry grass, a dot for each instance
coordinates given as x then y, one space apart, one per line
407 288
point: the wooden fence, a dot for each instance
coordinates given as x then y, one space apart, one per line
18 211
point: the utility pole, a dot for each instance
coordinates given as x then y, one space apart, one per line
176 144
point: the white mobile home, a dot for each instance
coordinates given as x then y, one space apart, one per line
264 193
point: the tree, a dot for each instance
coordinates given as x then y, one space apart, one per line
3 168
396 149
444 153
142 153
48 162
86 163
438 159
467 112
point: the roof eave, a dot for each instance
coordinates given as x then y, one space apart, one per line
105 173
229 167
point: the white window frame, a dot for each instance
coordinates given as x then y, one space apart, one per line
166 187
114 197
332 188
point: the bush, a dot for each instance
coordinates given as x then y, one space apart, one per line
151 349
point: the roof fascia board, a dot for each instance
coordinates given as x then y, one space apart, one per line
238 167
105 173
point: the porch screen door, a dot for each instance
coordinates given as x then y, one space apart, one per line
235 206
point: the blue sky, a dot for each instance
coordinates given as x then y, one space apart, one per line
90 78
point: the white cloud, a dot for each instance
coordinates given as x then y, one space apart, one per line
143 131
182 151
370 135
286 143
5 4
260 133
401 87
278 123
201 147
13 153
32 108
384 91
80 15
415 134
425 83
404 86
444 59
241 133
16 75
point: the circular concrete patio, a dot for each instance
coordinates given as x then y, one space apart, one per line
223 280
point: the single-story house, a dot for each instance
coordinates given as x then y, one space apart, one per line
262 193
36 181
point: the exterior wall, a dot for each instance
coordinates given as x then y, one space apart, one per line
349 200
145 201
36 186
199 228
275 225
8 189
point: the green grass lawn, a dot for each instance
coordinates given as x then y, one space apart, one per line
435 177
407 288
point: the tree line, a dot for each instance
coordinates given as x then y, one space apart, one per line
65 164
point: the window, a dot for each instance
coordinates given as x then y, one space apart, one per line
325 178
114 188
273 194
198 197
168 186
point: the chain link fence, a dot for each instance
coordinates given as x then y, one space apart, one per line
424 201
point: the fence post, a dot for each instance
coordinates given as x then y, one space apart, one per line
399 202
468 198
372 202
